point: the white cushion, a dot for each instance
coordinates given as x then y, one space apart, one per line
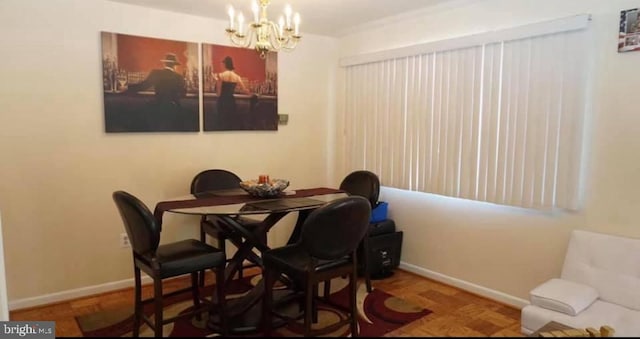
563 296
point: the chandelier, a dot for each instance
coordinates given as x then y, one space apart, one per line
264 34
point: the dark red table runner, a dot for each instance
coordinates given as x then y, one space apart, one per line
164 206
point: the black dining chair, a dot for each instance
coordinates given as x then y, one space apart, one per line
165 261
212 180
319 255
367 185
362 183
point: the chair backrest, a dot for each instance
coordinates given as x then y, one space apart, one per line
335 229
214 179
142 228
362 183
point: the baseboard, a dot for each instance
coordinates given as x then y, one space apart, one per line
73 294
467 286
126 283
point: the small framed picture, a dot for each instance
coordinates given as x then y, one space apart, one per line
629 36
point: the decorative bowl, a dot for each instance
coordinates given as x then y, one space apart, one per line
273 188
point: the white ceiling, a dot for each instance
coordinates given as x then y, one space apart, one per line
323 17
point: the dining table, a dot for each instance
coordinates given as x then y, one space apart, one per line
226 207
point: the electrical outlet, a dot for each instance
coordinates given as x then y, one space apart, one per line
124 240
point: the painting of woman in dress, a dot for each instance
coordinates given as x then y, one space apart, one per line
226 85
240 89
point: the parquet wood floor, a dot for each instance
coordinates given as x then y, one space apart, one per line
456 313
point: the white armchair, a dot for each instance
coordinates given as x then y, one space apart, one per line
599 285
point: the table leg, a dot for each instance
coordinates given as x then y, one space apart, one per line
241 309
247 241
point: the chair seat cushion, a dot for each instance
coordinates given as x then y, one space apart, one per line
187 256
563 296
294 257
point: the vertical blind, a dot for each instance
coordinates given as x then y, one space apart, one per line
500 122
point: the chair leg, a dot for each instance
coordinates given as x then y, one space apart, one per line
222 243
157 296
222 302
327 289
314 303
195 292
352 300
203 235
365 266
203 238
267 301
137 315
222 246
308 312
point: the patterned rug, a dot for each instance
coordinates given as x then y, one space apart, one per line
378 313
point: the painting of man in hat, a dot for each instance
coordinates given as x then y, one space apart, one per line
150 85
169 86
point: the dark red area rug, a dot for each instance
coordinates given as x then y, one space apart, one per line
378 313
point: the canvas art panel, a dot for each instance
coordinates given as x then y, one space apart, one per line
149 84
629 36
240 89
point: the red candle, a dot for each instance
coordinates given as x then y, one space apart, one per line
263 179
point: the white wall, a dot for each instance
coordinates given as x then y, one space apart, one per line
59 168
511 250
4 304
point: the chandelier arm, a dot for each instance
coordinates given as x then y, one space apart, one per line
288 40
290 44
287 48
274 37
245 41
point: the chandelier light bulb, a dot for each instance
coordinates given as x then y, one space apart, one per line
256 9
281 26
240 23
287 13
296 22
231 13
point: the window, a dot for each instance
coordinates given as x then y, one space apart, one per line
495 117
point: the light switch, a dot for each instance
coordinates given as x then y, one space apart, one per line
283 119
